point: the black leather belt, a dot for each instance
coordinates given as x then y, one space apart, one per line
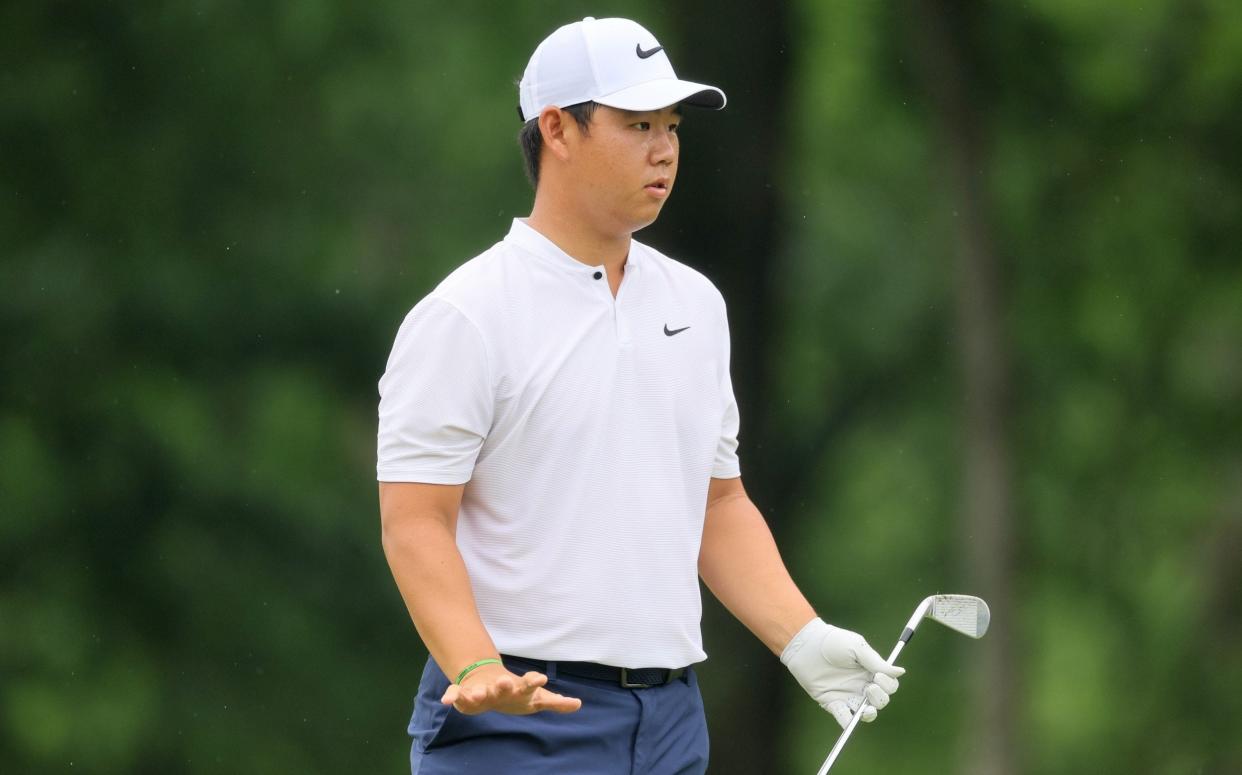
626 678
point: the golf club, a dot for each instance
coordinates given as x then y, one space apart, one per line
963 613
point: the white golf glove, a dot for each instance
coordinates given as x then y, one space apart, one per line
837 668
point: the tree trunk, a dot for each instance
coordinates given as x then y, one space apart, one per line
943 39
723 220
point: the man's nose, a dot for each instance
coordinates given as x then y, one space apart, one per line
663 147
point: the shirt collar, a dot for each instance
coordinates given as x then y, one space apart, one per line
522 235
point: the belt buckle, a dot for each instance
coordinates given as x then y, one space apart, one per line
625 681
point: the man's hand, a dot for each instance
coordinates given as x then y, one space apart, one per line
492 687
838 669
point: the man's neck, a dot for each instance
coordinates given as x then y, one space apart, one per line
577 237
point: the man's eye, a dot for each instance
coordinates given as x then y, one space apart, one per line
673 128
643 125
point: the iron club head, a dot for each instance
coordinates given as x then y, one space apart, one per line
964 613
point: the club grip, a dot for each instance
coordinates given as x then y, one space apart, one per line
849 729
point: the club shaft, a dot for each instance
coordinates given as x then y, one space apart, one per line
849 729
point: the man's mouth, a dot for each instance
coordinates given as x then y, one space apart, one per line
658 188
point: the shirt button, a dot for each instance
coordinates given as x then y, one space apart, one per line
598 275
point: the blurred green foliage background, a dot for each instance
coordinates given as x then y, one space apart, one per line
983 270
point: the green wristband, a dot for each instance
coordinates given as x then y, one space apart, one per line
471 668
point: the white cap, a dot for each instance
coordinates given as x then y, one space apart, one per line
614 62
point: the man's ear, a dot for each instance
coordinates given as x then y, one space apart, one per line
552 125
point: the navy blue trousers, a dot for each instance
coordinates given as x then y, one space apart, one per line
655 731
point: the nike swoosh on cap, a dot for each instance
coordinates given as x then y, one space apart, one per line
638 49
675 331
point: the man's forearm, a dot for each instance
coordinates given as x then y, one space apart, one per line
433 581
742 567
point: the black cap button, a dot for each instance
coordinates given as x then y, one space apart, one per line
598 275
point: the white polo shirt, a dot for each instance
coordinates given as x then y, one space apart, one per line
587 429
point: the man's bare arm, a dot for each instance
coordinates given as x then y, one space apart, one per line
742 567
740 564
419 536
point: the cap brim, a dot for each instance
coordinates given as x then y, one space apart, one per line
654 95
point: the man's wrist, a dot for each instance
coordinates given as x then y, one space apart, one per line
813 630
468 670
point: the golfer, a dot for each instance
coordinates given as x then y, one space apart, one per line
558 459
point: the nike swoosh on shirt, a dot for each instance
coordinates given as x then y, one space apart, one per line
674 332
638 49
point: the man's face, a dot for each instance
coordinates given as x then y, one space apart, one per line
625 166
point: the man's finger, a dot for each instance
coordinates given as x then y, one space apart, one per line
473 700
876 696
868 712
841 712
889 685
529 683
451 694
465 703
873 662
504 687
557 703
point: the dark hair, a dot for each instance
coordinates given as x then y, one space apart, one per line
531 139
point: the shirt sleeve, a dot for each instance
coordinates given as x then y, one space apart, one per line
727 465
436 398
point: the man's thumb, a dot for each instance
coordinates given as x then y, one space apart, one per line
873 662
